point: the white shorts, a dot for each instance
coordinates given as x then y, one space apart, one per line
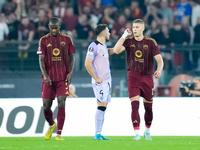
102 92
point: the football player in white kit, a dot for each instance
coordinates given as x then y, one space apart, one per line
98 66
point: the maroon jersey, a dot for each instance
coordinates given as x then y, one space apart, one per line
56 51
140 54
25 30
70 22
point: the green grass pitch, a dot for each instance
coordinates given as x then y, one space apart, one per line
87 143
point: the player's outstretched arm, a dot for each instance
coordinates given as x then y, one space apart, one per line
160 64
47 79
110 51
71 68
118 48
88 66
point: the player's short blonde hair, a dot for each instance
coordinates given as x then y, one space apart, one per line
140 21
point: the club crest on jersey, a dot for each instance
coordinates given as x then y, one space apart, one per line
62 43
56 51
133 45
145 47
138 54
91 49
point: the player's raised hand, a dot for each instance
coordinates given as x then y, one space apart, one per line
99 80
47 80
126 33
157 74
129 32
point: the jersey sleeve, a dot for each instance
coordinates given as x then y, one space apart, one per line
91 51
188 11
125 43
71 47
41 47
156 50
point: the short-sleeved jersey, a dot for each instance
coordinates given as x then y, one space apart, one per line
140 54
56 51
25 30
183 10
99 54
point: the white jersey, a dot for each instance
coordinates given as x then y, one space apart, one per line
101 66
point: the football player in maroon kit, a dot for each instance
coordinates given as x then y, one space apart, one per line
141 51
54 50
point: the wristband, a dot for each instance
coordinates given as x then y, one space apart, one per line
125 34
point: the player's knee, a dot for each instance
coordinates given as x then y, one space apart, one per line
61 101
148 107
102 108
45 108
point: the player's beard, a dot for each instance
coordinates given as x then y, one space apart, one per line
107 39
55 34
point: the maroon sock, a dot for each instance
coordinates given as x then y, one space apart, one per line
148 116
135 115
60 119
49 117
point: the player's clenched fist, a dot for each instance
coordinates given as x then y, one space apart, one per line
157 74
126 33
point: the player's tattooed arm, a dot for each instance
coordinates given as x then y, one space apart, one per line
47 79
71 68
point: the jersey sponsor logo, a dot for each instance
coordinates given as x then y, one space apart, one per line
133 45
91 49
56 51
145 47
138 54
49 45
56 58
62 43
139 60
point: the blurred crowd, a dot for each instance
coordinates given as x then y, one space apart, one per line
169 22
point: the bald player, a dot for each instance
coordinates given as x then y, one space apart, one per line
54 50
141 51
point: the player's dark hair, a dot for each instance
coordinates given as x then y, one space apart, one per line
54 21
100 28
140 21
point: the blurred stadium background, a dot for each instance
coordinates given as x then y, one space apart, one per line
23 22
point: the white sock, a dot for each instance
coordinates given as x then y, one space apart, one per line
147 130
137 132
98 132
53 124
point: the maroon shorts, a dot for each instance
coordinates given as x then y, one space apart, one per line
58 88
139 84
